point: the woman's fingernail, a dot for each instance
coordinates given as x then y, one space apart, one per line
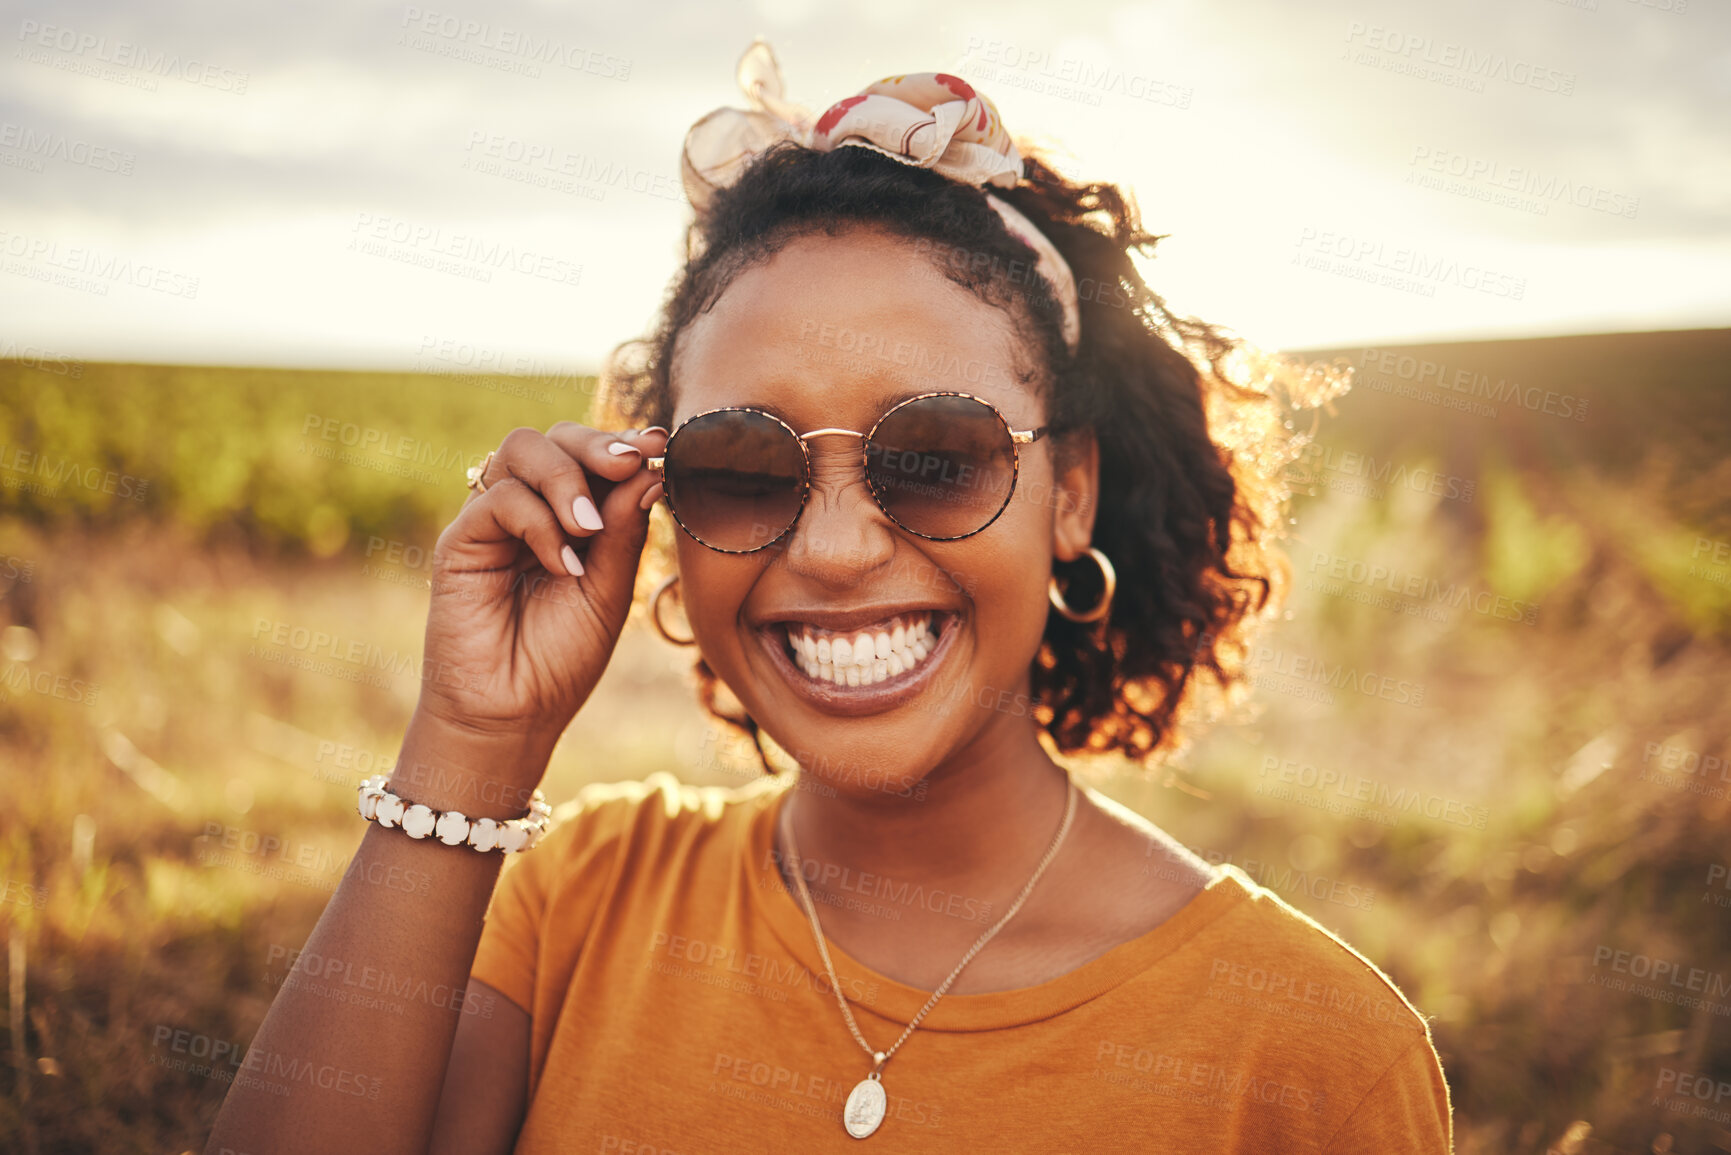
569 557
653 429
619 449
650 496
584 511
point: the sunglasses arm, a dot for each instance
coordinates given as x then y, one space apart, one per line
654 464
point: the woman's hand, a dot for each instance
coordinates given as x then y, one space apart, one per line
531 584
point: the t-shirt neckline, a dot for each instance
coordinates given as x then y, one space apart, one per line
769 897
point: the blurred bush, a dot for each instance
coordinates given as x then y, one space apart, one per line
248 454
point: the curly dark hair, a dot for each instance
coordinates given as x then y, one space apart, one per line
1187 517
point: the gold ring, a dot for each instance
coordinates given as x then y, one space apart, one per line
477 472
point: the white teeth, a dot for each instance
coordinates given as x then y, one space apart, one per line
865 657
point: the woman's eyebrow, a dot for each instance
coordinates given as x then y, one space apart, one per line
890 398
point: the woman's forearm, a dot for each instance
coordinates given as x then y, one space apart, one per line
353 1052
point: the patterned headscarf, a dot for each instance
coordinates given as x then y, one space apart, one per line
925 119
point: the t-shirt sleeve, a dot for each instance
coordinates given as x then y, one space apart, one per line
547 898
511 936
1407 1109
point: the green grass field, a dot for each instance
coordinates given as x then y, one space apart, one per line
1540 604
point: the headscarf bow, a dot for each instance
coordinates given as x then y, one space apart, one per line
926 119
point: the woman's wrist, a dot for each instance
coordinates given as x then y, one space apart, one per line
449 766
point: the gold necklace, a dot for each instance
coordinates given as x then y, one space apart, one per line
867 1102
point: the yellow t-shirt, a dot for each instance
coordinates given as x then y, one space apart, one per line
679 1005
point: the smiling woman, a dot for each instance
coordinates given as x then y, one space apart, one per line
871 367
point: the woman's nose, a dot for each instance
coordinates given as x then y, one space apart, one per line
841 532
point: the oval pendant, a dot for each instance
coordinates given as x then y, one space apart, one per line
865 1108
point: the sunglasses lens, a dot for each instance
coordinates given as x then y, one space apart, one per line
734 479
942 466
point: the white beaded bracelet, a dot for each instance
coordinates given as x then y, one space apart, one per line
452 827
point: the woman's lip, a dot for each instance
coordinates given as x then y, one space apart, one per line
856 700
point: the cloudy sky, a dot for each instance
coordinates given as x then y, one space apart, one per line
333 182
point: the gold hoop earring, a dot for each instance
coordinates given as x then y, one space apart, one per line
1108 577
655 612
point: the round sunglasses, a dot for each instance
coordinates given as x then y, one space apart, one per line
940 465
